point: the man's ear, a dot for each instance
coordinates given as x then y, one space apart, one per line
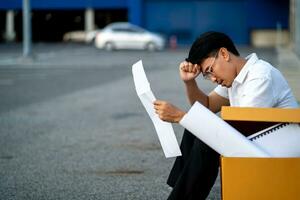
225 54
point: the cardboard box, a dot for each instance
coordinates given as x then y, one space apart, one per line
259 178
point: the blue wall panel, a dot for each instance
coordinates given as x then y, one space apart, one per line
170 20
265 14
10 4
188 20
135 9
225 16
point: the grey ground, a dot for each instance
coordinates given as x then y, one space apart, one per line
72 127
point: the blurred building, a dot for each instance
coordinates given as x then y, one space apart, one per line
246 21
295 25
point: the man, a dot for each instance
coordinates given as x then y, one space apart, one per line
242 82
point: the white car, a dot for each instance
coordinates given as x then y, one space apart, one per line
123 35
80 36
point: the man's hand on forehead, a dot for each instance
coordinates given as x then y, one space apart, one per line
188 71
190 67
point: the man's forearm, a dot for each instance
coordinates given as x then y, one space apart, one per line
195 94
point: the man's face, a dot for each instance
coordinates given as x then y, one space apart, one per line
219 69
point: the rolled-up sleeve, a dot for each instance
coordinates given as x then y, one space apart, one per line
222 91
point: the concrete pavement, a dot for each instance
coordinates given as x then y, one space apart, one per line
95 142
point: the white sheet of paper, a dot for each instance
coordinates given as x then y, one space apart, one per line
281 140
163 129
218 134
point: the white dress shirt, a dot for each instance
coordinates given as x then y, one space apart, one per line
258 84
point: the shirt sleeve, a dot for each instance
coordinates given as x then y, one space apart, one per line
257 92
222 91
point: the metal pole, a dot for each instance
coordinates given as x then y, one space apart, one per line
10 34
89 24
292 24
278 35
26 28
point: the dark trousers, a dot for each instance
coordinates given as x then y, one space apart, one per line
194 173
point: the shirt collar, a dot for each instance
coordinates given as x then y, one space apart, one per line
251 59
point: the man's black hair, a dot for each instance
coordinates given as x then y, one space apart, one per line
207 44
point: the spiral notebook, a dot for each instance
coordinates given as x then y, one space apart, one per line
280 140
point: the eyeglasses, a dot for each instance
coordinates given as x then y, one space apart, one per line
209 72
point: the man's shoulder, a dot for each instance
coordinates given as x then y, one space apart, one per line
266 69
261 69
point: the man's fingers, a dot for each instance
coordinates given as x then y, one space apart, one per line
189 67
185 66
156 103
159 112
195 69
159 102
198 67
158 106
